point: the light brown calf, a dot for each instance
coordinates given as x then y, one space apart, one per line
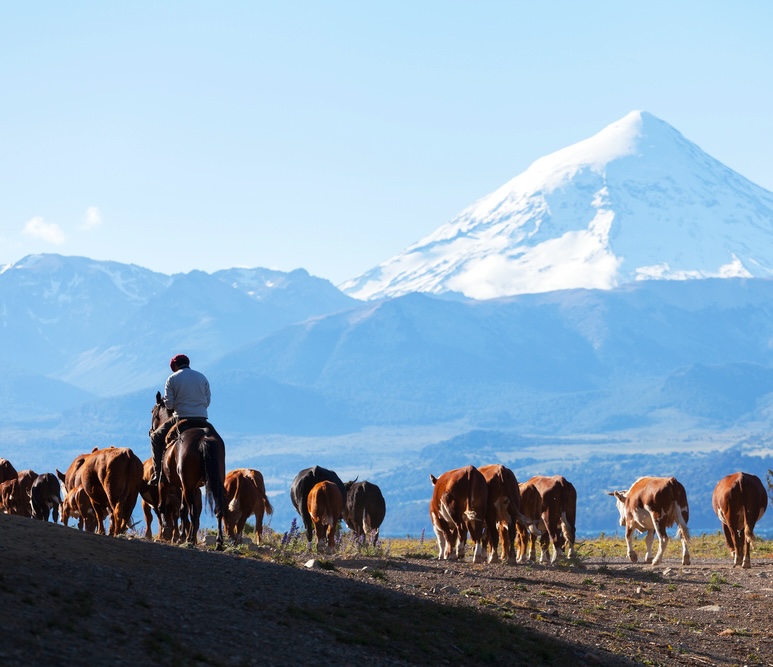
325 505
245 495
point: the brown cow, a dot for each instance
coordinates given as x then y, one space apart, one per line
167 512
458 505
503 512
112 477
325 505
15 494
651 505
739 501
10 496
7 471
45 496
553 502
245 495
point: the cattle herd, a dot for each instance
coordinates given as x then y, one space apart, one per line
486 503
108 482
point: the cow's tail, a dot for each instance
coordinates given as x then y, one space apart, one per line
748 533
682 515
529 524
750 519
233 506
257 479
213 456
471 515
567 528
682 509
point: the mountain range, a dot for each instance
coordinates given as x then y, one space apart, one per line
620 366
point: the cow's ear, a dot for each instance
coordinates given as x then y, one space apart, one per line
620 495
432 479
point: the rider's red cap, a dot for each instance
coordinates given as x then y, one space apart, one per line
179 360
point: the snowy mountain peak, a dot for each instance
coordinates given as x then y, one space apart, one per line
635 201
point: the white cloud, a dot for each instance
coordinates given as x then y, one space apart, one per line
50 232
93 218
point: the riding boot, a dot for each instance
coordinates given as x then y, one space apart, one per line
158 453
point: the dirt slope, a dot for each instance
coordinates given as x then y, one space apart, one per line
69 598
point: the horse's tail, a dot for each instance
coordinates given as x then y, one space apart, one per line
213 454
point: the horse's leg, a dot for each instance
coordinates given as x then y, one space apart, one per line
219 542
193 501
185 522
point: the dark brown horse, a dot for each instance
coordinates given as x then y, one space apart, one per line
195 459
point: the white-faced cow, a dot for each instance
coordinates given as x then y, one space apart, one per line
651 505
553 502
325 505
245 495
458 506
364 509
739 501
301 487
45 497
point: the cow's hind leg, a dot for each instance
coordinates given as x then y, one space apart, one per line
629 541
258 526
544 543
750 520
460 541
660 525
730 541
441 541
567 528
319 529
684 535
192 502
476 535
648 539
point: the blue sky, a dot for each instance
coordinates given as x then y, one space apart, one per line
330 136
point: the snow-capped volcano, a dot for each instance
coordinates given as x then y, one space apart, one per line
636 201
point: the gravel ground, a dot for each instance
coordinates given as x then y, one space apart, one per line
68 597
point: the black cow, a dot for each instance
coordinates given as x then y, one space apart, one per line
364 509
45 496
303 483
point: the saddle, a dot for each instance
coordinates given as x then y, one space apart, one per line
182 425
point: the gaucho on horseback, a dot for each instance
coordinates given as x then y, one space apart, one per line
187 394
